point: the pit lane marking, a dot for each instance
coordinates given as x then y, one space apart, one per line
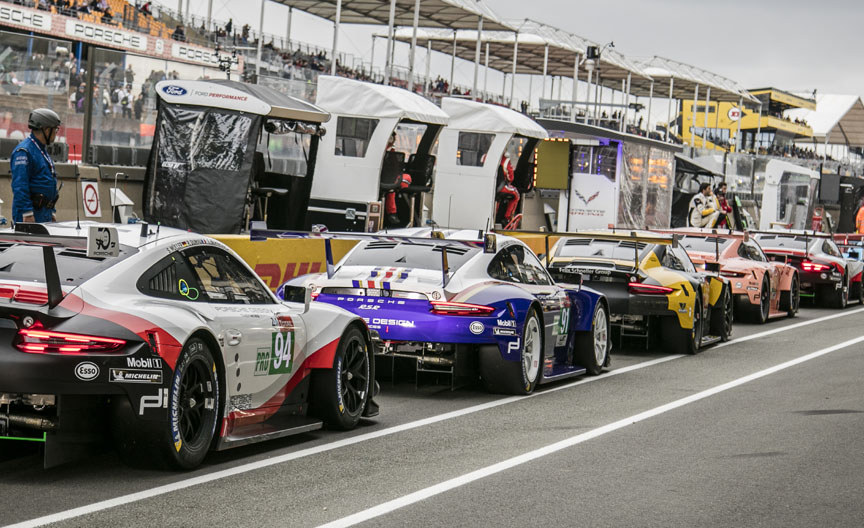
252 466
437 489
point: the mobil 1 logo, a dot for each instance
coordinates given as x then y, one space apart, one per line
279 357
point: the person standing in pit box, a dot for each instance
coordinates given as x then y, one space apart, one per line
34 179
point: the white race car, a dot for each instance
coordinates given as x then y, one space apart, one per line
174 344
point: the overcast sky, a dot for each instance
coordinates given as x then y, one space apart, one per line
795 45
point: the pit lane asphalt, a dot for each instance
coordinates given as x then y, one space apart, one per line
772 452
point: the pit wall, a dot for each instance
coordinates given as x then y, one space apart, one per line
130 181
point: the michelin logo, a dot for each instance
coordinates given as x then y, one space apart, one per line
135 376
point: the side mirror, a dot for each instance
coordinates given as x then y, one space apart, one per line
490 243
295 294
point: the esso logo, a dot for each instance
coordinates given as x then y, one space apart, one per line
87 371
173 89
476 327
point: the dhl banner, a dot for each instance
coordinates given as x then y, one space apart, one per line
277 260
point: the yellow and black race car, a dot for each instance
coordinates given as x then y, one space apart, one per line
654 290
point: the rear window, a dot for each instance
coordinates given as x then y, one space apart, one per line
782 242
416 255
21 262
599 248
704 244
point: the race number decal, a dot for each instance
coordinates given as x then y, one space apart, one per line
563 323
279 358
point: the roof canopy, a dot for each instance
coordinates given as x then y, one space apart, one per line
839 119
480 117
241 97
687 164
534 38
340 95
687 77
452 14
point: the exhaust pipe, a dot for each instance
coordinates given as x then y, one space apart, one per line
32 422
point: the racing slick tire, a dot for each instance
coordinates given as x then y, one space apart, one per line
840 298
684 340
722 316
515 377
338 395
591 349
758 313
859 292
790 301
183 440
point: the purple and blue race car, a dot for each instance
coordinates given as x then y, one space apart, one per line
465 306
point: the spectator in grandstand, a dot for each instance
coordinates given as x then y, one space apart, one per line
179 33
107 16
34 179
126 101
701 211
147 8
78 97
139 106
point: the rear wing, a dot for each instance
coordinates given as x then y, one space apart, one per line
615 235
48 243
487 243
807 236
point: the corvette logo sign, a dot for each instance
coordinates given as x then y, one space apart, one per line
586 200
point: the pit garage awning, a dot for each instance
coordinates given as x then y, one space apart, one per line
344 96
453 14
239 96
689 165
838 119
480 117
685 78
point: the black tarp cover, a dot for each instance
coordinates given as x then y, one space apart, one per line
200 168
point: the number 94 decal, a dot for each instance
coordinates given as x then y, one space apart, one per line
279 358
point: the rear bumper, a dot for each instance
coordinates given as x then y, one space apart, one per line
810 281
625 303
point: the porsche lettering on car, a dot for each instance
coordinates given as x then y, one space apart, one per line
464 306
174 344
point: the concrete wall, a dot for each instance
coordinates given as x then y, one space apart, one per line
130 182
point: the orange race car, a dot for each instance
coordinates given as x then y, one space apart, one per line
763 288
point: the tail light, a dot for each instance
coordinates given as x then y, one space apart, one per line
814 266
38 341
457 308
640 288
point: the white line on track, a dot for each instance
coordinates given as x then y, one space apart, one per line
504 465
252 466
788 327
